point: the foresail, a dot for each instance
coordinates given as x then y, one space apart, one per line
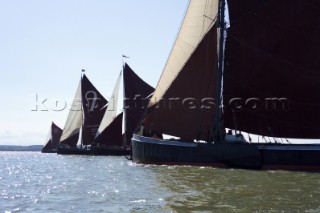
73 124
272 68
93 110
111 111
199 19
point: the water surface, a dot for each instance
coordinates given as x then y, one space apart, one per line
35 182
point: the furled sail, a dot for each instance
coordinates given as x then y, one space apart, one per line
186 89
70 134
112 134
93 110
135 93
111 111
272 68
53 138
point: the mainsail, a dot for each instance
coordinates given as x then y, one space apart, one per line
182 104
136 92
93 110
85 114
273 64
271 72
53 138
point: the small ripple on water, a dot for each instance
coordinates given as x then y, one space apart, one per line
34 182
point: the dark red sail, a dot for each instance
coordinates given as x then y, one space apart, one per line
93 110
112 135
135 93
53 138
272 68
186 108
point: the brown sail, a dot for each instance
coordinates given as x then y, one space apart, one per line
272 68
86 113
183 102
93 110
267 79
112 134
135 93
52 139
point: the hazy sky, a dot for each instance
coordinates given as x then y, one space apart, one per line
45 44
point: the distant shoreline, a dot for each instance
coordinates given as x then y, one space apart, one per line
21 148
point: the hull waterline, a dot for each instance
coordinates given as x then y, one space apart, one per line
225 154
110 151
73 151
49 151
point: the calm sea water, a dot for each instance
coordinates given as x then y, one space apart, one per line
35 182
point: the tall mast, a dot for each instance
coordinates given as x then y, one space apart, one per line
82 109
124 123
217 134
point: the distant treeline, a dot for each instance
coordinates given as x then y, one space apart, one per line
21 148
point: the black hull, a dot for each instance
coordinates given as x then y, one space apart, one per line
111 151
49 151
73 151
225 154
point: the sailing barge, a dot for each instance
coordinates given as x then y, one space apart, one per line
83 120
250 66
115 132
52 140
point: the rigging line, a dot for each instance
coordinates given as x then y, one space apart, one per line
251 11
272 57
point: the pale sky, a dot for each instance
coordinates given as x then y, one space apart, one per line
45 44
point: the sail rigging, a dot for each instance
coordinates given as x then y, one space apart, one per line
86 114
136 92
53 138
111 129
93 106
185 104
268 75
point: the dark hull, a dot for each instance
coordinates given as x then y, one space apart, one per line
49 151
113 151
226 154
73 151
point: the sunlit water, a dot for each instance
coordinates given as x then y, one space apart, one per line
35 182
